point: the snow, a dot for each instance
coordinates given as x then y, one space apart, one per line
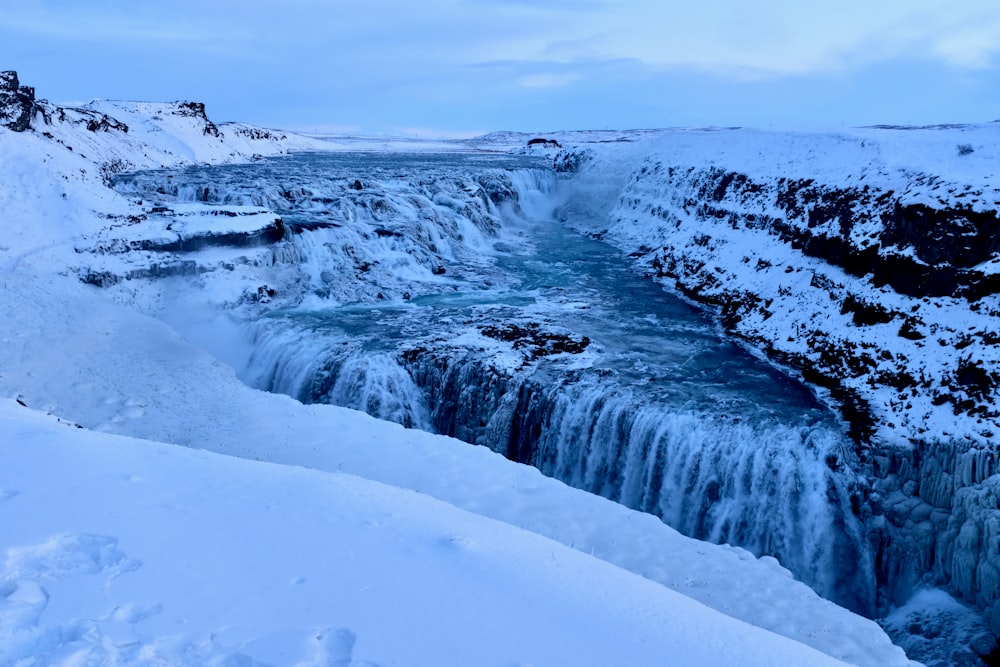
348 541
160 554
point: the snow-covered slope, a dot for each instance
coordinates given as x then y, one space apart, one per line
123 552
364 572
62 166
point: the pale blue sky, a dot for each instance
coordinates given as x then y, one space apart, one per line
437 67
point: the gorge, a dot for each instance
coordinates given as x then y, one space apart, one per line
830 400
456 295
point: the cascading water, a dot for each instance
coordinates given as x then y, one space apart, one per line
440 292
771 486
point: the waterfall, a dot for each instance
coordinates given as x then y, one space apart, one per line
389 278
314 368
772 488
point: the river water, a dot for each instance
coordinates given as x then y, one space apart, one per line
444 292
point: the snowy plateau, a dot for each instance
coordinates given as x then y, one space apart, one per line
781 344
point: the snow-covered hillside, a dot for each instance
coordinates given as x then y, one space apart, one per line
394 547
898 227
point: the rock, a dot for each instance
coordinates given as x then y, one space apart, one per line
545 143
104 123
197 110
536 341
17 102
571 161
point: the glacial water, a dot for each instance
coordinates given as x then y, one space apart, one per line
444 292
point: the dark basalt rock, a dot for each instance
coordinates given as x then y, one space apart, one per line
258 134
921 251
547 143
94 121
266 235
17 102
537 342
8 81
952 236
197 110
104 123
570 161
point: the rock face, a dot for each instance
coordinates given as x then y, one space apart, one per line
197 110
896 277
544 143
16 102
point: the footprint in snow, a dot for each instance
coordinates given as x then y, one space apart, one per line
334 647
21 604
135 613
132 412
66 556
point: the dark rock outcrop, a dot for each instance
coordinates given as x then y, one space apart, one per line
197 110
95 121
266 235
545 143
571 161
919 251
17 102
535 340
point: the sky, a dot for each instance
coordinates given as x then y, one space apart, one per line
464 67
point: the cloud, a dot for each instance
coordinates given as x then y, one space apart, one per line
548 80
973 47
747 40
110 27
